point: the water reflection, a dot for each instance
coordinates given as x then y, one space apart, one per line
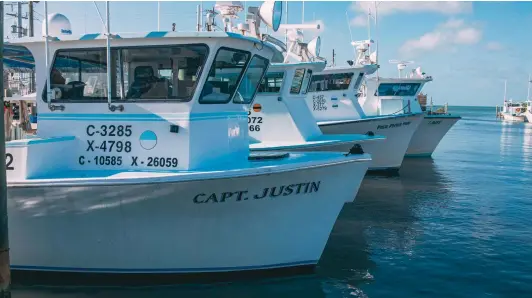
509 135
527 146
384 220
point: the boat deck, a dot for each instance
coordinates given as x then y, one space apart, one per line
322 140
367 118
256 166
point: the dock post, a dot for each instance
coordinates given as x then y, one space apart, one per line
5 270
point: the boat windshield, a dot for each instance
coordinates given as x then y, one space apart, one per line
330 82
137 73
397 89
251 79
271 83
306 81
224 76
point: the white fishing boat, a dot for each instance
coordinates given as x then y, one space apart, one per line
333 100
140 171
402 95
512 111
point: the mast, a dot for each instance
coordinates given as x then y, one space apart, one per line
528 92
30 8
158 16
377 39
198 18
504 91
108 45
286 22
47 56
5 274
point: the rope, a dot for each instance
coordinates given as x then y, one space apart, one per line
403 109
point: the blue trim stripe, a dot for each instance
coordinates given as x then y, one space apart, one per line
162 270
155 34
139 117
24 143
89 36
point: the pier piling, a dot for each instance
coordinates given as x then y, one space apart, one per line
5 271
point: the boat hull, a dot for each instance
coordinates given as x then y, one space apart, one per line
515 118
387 155
528 115
174 232
429 134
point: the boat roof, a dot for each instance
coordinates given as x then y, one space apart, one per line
315 66
16 55
402 80
343 69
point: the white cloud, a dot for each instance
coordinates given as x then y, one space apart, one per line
447 35
494 46
388 8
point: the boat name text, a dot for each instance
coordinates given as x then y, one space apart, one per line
267 192
393 125
435 122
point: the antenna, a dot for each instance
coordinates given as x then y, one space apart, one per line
528 92
505 91
350 32
401 65
378 41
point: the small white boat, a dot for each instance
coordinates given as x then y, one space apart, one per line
333 100
140 172
512 111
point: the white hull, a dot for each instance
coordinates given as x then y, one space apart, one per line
166 228
429 134
387 154
528 116
509 117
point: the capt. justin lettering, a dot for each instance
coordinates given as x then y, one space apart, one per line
268 192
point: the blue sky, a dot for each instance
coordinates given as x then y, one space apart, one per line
469 48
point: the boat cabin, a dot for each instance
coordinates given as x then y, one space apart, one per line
172 101
391 96
279 113
332 92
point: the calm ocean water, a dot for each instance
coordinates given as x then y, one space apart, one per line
457 225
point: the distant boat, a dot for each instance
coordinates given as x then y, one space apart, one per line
512 111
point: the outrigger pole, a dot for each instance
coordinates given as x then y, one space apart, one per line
5 271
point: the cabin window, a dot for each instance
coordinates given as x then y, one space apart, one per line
139 73
81 75
271 83
299 74
224 76
397 89
156 72
330 82
251 79
306 81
